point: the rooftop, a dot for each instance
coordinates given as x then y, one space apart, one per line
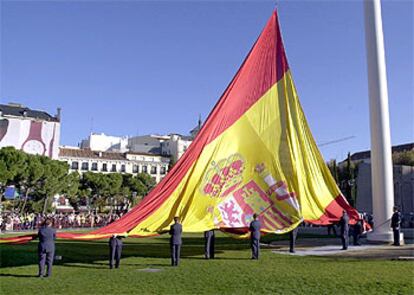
18 110
397 148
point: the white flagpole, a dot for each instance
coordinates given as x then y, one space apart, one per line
381 158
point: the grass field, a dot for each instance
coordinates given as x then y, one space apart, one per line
84 270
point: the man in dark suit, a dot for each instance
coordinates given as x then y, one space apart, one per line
46 247
115 251
292 239
255 236
357 231
209 244
395 225
344 224
175 241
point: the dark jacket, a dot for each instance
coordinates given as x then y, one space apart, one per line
396 220
344 224
47 236
175 231
358 228
255 229
113 242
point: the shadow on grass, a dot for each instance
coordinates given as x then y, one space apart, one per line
106 265
17 276
216 258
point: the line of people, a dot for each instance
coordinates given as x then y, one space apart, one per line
395 225
176 230
47 235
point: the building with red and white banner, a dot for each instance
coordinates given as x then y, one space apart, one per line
34 132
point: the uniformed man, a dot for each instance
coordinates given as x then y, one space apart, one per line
344 224
255 236
115 251
209 244
46 247
395 225
175 242
292 239
357 231
331 227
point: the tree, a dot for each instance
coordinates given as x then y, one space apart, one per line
403 158
147 181
3 175
30 179
14 164
53 181
350 181
95 187
71 190
134 189
37 176
115 191
345 177
334 169
14 170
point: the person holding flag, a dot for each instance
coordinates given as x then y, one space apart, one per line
175 241
255 236
344 224
395 225
46 247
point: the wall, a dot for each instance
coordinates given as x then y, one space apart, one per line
130 162
102 142
30 135
403 188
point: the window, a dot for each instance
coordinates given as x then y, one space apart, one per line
104 167
144 169
153 169
123 168
113 168
135 169
163 170
94 167
75 165
85 166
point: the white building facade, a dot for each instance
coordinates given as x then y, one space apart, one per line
172 145
85 160
176 146
102 142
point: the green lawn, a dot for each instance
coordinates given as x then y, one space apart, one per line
84 270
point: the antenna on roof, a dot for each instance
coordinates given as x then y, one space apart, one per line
91 125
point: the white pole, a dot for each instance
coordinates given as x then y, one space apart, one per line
381 160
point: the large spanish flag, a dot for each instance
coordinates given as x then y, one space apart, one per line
254 154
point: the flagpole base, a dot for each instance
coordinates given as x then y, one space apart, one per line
383 237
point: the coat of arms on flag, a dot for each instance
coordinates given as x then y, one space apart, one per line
239 201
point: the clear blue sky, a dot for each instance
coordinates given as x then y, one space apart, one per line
140 67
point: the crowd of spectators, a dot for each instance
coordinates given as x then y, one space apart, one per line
32 221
